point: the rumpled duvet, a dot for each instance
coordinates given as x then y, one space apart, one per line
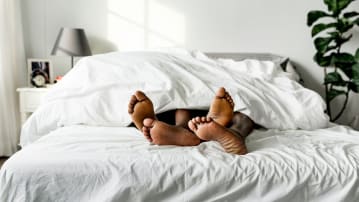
97 90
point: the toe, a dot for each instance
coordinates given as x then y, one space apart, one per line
229 99
146 133
197 119
133 99
203 119
148 122
221 92
192 125
145 130
131 104
140 96
231 102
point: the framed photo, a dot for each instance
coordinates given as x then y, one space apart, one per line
40 72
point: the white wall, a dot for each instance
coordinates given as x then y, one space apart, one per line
277 26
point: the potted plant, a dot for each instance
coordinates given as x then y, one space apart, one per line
331 30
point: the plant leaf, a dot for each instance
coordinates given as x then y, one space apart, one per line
332 93
350 14
345 62
334 78
336 6
334 34
314 16
332 4
320 27
322 43
344 58
344 25
355 70
354 86
342 4
323 61
356 21
357 55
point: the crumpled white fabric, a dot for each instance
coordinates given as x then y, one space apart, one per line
96 91
92 163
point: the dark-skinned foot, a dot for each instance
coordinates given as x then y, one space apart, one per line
207 129
140 107
221 109
165 134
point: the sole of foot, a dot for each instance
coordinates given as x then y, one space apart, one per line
140 107
221 109
165 134
208 129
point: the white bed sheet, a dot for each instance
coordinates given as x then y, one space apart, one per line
84 163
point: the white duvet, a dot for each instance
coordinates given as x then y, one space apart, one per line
103 164
97 90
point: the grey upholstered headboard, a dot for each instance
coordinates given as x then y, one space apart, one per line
284 62
257 56
242 56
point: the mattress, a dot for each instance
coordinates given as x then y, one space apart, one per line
87 163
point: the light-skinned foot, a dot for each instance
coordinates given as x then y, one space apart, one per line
207 129
221 109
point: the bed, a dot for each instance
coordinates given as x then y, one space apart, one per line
77 146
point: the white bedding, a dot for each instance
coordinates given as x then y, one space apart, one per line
76 148
97 90
84 163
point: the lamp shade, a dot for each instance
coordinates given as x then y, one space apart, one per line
71 42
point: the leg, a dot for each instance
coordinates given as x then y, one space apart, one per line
182 116
242 125
208 129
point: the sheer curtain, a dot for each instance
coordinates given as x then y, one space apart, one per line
12 74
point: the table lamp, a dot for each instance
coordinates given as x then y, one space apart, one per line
71 42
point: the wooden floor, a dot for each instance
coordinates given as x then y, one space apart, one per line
2 160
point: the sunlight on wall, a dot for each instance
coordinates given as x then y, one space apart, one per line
142 24
167 26
124 34
126 24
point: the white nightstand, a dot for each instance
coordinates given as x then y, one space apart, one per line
30 99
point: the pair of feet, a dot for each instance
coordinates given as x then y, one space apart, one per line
212 127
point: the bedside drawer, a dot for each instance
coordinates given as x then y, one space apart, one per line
29 101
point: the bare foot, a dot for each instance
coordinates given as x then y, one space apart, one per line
140 107
161 133
221 109
207 129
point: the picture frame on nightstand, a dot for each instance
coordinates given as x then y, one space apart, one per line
40 72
